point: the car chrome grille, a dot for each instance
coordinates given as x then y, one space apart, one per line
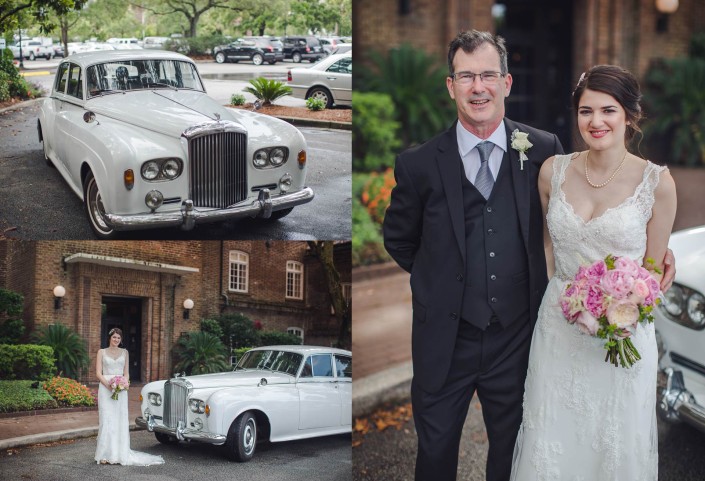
218 169
175 404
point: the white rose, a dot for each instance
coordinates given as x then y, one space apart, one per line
521 142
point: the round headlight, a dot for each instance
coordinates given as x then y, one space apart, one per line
198 424
696 308
171 169
197 406
153 199
277 156
260 159
150 170
285 183
673 301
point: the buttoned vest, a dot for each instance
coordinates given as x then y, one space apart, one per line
496 271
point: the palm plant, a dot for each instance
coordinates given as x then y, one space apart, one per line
69 349
200 353
416 82
675 101
267 90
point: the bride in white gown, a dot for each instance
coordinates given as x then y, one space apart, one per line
585 419
114 430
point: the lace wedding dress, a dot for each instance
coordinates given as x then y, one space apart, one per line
585 419
114 430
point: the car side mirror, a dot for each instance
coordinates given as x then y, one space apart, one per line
89 117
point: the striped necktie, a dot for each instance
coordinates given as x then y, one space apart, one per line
484 180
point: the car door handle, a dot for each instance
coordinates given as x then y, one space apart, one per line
332 78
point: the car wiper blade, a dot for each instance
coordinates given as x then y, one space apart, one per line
106 91
160 84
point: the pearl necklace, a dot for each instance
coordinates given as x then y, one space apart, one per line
597 186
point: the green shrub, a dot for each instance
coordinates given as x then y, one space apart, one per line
26 361
68 392
416 82
239 330
200 353
237 99
239 352
315 104
11 79
69 349
278 338
4 87
375 131
211 326
11 303
21 396
267 90
674 101
367 243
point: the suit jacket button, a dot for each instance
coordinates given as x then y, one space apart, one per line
491 254
493 277
460 277
453 316
494 299
489 209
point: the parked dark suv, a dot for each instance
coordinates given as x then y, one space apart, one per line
303 48
257 49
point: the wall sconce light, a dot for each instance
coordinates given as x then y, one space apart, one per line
667 6
188 305
664 8
59 293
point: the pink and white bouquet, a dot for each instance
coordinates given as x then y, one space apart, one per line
117 384
608 299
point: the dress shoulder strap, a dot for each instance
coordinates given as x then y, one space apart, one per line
645 192
560 164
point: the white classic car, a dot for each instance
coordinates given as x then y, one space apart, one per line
136 137
275 393
680 327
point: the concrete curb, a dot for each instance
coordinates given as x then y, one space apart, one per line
19 105
54 436
390 385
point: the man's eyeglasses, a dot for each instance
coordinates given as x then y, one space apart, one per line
487 78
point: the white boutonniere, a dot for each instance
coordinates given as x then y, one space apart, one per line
520 143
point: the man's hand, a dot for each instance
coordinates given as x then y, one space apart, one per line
669 271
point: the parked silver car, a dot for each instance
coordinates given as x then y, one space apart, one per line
329 80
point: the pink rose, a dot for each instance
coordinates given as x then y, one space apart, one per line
627 266
595 301
596 271
617 283
582 273
587 323
623 314
654 290
572 302
640 290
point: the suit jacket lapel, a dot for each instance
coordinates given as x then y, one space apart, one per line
450 168
520 181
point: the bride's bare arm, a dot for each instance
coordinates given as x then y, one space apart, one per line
659 227
545 175
126 370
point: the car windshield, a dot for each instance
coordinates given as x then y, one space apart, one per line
141 74
279 361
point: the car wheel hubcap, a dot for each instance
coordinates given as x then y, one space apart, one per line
320 96
249 436
96 208
257 60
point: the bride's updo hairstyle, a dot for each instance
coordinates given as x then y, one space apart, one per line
618 83
115 330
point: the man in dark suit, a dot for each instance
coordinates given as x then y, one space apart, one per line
465 220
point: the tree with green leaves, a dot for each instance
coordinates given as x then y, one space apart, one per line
314 15
40 12
191 10
11 307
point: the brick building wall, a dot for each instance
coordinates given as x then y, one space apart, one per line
90 274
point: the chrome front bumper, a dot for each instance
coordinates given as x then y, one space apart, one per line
180 433
678 404
189 216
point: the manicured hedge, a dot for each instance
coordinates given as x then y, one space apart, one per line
21 396
278 338
26 361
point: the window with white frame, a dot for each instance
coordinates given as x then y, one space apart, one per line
297 331
294 280
239 271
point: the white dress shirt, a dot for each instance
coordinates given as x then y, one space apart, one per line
467 142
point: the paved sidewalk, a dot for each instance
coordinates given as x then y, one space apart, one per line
45 428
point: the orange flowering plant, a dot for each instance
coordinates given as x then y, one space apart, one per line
68 392
377 192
